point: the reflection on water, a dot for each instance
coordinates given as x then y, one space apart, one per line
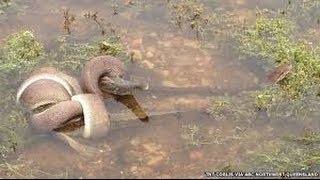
178 139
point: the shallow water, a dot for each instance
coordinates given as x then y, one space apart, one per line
182 72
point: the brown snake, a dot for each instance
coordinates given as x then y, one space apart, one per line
57 100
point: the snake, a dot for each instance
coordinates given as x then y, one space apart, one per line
57 100
109 71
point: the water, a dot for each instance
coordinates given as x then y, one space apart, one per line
182 71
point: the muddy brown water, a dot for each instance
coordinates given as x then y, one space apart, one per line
181 75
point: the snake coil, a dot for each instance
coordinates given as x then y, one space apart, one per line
57 99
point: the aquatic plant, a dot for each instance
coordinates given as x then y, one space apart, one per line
20 51
27 169
190 133
109 46
73 55
291 153
271 40
223 107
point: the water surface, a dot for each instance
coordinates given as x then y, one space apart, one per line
182 70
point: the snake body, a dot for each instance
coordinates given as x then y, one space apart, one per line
96 118
57 99
97 67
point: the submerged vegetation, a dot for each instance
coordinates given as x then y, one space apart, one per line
274 39
190 133
271 39
19 54
72 56
290 154
222 108
191 14
27 169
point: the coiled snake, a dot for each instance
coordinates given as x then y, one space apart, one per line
58 101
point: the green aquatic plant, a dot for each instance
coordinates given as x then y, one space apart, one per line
264 99
20 52
73 55
70 55
109 46
268 39
223 107
272 39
